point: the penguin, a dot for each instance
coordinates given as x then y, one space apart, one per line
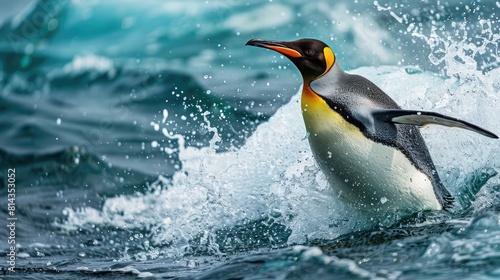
368 147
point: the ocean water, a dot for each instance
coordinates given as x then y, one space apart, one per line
149 142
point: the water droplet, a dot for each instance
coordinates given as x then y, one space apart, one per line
165 115
52 25
58 121
155 126
154 144
383 200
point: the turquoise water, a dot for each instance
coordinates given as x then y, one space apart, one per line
148 142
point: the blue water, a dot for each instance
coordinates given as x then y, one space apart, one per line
149 142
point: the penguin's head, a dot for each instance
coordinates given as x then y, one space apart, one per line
312 57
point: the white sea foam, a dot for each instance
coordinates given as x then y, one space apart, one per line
84 63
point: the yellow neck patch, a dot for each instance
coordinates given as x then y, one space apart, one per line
329 59
320 118
310 100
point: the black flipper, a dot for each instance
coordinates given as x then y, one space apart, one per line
422 118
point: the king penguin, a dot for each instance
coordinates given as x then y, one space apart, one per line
367 146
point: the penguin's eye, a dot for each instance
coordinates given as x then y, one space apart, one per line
309 52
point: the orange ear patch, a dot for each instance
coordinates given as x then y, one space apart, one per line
329 59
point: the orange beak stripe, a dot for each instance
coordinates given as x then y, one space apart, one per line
285 51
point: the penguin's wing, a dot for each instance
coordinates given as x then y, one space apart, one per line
422 118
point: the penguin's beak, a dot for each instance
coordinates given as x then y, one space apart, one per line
282 47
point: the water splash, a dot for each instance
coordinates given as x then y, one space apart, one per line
274 181
471 92
461 48
274 177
